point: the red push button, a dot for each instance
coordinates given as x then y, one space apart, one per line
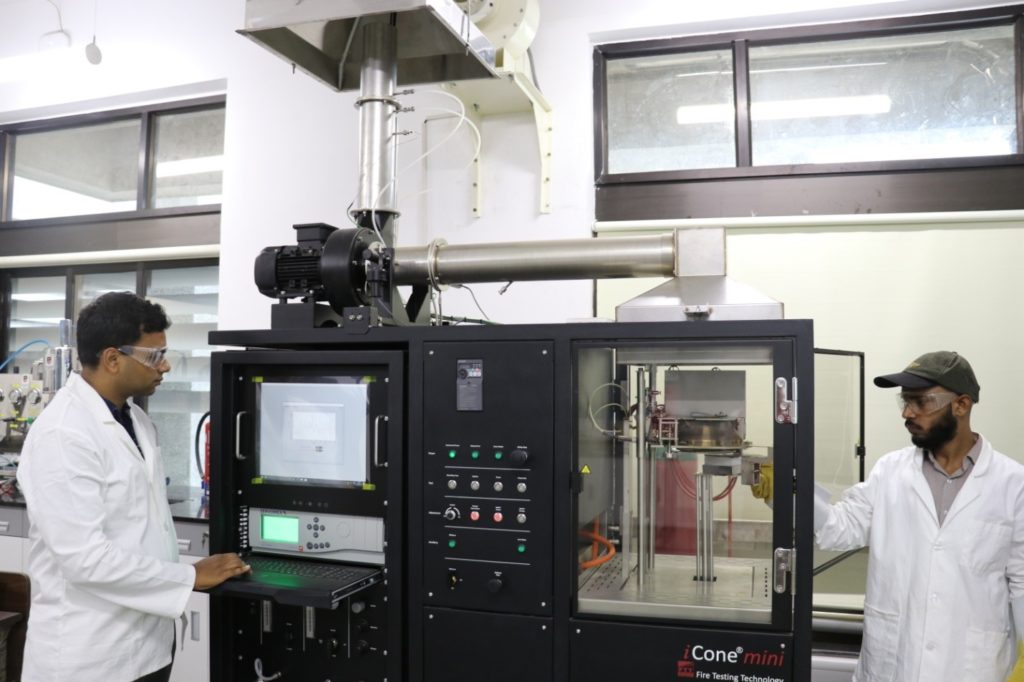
498 517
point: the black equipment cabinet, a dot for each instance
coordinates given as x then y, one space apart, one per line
362 634
517 458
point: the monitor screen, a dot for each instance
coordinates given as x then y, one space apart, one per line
313 433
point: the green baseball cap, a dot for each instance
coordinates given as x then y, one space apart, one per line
941 368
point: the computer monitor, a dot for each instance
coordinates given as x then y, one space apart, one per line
313 433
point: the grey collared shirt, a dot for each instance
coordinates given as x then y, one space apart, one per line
946 486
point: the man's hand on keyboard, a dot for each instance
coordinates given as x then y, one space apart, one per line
213 570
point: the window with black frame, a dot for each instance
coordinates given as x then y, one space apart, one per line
910 114
38 298
149 176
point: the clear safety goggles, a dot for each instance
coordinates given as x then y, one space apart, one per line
153 358
924 403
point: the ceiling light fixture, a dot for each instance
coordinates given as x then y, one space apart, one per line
815 107
92 50
55 39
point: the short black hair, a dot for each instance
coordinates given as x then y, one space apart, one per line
118 318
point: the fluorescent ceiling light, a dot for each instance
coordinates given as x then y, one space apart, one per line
704 113
821 67
821 107
815 107
30 322
200 164
37 298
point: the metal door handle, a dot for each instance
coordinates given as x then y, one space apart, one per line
376 439
783 566
195 626
238 435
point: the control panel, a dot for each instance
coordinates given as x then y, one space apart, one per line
488 476
328 536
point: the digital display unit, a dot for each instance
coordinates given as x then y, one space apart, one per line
283 529
313 433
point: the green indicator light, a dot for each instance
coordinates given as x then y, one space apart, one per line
521 548
451 454
497 455
475 454
451 544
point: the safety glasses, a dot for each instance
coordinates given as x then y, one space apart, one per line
153 358
923 403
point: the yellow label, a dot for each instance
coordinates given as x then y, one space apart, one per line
257 480
369 486
585 469
257 380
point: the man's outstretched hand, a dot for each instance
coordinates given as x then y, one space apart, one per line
213 570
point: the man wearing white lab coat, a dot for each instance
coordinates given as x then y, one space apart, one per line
944 521
103 557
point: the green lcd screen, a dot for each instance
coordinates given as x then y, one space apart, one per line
280 529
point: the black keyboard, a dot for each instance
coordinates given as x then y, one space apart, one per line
343 574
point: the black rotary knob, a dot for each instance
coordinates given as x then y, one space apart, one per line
494 585
518 457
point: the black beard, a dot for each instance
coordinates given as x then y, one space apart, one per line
938 435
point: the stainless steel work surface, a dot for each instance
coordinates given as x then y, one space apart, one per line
741 592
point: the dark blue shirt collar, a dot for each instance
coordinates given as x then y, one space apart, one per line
123 416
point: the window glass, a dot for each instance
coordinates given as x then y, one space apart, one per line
37 307
930 95
189 296
93 285
188 158
671 112
76 171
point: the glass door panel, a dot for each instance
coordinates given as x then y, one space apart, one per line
91 286
676 452
37 307
189 297
839 577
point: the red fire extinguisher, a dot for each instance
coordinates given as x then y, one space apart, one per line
206 462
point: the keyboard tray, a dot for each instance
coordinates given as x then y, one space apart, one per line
296 582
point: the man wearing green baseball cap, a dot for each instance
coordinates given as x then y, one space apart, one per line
944 520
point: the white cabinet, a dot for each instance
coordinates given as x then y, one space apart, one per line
13 543
12 551
192 657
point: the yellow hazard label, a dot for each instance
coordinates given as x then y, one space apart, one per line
585 469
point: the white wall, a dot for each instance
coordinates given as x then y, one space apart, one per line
151 51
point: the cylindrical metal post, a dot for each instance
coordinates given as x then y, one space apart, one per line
652 484
377 109
642 479
647 256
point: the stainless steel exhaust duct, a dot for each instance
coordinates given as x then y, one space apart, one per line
436 40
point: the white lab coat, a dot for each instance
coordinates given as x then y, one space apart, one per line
937 603
102 554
